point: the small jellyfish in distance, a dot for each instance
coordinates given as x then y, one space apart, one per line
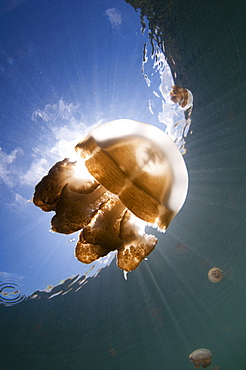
215 274
131 174
215 368
201 357
181 96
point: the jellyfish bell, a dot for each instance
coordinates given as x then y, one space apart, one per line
132 175
181 96
139 163
201 357
215 274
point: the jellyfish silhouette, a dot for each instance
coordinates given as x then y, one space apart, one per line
128 174
182 96
201 357
215 274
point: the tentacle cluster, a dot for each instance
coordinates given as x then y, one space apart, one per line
105 222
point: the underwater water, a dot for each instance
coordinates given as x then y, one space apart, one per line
64 67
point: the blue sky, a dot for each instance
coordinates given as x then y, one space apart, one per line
64 67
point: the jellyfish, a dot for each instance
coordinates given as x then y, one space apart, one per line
128 174
201 357
182 96
215 274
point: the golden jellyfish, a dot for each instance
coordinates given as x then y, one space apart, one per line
215 274
181 96
128 174
201 357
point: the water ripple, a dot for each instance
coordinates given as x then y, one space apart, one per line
10 289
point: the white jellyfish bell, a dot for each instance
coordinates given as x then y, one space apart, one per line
137 176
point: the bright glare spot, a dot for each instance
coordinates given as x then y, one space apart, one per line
81 171
65 149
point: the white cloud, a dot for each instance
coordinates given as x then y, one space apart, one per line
56 112
19 203
7 169
7 277
115 18
37 170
